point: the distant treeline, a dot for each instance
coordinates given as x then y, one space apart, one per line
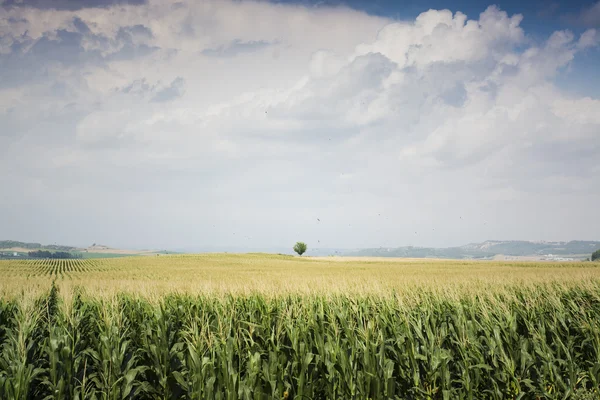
49 254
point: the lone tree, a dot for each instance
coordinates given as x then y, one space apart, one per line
596 255
300 248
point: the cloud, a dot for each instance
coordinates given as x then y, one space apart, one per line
175 90
179 116
440 36
71 5
235 48
588 17
31 52
591 16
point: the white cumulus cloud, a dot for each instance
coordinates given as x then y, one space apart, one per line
258 117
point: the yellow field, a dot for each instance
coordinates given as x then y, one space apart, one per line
275 274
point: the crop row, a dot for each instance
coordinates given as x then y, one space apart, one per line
50 266
534 343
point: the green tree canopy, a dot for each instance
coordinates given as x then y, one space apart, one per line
596 255
300 248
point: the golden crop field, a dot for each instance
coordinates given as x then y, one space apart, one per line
256 326
280 274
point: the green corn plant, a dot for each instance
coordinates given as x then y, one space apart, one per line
65 377
197 377
163 349
18 354
8 309
112 359
522 342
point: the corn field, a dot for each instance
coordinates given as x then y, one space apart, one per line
273 275
538 341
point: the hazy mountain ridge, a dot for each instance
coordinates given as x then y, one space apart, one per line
489 249
523 248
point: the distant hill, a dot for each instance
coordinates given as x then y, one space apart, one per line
489 249
13 244
8 248
523 248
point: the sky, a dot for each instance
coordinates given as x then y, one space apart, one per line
255 124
